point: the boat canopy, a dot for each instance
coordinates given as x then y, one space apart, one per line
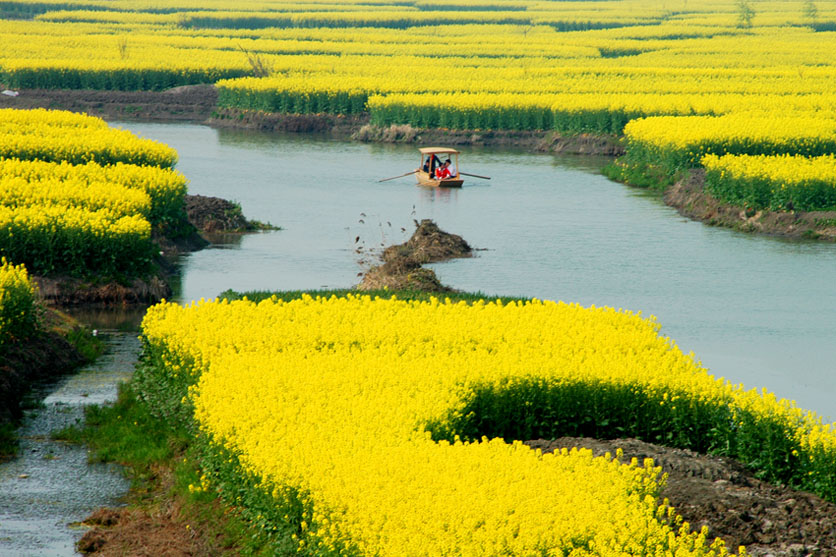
438 151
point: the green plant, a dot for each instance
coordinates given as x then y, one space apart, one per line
745 14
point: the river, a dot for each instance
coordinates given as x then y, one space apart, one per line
755 310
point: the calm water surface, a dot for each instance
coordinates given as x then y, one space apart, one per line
758 311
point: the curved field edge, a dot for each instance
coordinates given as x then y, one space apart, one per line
519 409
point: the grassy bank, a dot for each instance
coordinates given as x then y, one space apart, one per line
161 462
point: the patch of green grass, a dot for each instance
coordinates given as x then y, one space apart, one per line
89 346
127 432
8 441
639 175
469 297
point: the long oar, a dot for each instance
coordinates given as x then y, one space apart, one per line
476 176
401 176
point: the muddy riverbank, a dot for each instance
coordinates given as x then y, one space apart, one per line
688 196
204 214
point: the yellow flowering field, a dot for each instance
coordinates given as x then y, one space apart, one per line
79 197
154 192
674 144
18 314
773 181
388 427
572 67
50 135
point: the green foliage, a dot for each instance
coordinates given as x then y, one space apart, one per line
257 296
535 408
128 433
318 102
89 346
762 192
49 249
745 14
451 117
121 79
639 174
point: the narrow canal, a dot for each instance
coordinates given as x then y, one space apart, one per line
51 486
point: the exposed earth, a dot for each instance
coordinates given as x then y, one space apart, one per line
402 264
688 196
722 494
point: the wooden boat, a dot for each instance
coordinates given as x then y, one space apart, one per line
427 154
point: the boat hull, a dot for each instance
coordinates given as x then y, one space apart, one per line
425 180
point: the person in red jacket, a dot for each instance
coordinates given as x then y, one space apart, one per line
443 171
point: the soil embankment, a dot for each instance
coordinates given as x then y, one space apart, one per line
688 196
402 264
45 356
207 215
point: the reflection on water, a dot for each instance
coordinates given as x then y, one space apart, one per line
755 310
123 319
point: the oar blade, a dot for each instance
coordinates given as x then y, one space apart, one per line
401 176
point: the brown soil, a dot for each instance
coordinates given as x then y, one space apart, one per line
689 197
155 524
213 215
722 494
191 103
65 291
401 268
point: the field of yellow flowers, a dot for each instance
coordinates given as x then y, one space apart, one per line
81 198
371 426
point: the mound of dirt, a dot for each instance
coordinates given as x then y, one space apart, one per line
213 214
688 196
27 362
401 268
722 494
429 244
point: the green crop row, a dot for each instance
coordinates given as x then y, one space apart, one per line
73 241
121 79
316 102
